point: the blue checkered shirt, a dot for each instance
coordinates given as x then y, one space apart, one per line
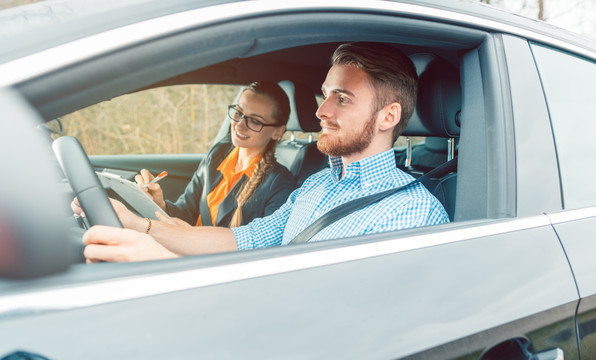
327 189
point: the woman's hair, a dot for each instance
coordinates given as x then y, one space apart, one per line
281 114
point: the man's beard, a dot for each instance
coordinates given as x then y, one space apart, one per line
348 146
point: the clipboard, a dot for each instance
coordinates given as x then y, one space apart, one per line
131 193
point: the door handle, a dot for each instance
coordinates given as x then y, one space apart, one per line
549 354
521 348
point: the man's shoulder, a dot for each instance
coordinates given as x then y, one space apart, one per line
317 178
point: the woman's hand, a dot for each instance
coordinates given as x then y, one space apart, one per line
153 190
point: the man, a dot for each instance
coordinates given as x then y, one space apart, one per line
369 95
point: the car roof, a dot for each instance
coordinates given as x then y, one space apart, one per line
260 51
31 28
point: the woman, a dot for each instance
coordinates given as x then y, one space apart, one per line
241 180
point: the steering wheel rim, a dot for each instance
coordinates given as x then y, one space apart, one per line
84 182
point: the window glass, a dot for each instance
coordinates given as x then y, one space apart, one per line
568 83
166 120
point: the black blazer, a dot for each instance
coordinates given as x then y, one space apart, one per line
268 197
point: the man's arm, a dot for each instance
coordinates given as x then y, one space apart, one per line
187 240
181 240
166 238
144 240
105 243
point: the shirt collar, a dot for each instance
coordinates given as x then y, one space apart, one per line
228 165
369 170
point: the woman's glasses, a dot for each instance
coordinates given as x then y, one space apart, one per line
251 122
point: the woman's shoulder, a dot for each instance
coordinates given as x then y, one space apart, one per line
221 147
218 152
281 172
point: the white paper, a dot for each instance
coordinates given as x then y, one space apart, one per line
131 193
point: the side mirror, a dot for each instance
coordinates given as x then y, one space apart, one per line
53 127
33 210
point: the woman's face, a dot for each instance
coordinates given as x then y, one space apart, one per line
259 107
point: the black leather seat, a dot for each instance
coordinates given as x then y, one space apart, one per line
300 155
430 153
437 118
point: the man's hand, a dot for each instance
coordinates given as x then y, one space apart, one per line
106 243
76 207
153 190
127 218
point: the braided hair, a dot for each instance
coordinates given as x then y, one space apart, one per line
281 113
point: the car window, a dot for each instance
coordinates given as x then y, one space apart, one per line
165 120
12 3
568 83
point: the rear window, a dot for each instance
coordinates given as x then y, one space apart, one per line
568 83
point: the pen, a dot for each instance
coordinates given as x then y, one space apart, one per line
161 175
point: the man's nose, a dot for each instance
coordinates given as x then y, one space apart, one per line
323 110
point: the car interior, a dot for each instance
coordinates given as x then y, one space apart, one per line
436 117
443 54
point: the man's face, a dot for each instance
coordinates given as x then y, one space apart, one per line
347 116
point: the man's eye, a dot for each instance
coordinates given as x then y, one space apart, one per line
237 114
342 100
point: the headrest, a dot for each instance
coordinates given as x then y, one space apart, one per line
303 106
439 100
436 144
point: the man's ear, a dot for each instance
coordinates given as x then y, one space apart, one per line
391 115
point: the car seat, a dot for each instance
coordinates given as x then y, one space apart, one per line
301 156
437 117
431 152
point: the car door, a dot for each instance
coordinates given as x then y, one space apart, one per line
567 79
517 170
180 168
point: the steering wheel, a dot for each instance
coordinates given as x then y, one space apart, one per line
84 182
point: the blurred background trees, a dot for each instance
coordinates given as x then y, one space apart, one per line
578 16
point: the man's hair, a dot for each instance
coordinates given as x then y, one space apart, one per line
392 73
281 113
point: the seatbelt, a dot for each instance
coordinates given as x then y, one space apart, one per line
346 209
